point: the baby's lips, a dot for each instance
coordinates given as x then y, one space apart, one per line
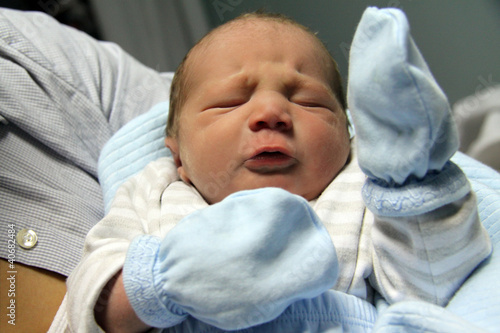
267 142
270 160
271 151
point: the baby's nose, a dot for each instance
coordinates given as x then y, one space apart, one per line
271 112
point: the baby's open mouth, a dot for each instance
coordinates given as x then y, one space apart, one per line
271 155
270 161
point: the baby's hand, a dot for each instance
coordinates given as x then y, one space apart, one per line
401 117
235 264
405 133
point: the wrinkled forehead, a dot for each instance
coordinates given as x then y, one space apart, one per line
285 39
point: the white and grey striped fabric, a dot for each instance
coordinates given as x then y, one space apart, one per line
62 96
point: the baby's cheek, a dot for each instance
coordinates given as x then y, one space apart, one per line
334 151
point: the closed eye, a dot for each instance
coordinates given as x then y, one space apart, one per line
312 104
312 98
227 104
309 104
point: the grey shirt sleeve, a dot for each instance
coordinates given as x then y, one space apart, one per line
62 96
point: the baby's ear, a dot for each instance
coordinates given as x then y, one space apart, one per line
173 145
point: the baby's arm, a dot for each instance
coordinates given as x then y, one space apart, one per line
113 311
427 256
235 264
427 237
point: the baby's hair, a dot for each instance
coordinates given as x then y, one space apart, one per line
179 88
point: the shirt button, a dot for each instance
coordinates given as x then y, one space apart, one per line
26 238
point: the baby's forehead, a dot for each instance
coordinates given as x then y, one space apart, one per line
256 30
258 26
210 56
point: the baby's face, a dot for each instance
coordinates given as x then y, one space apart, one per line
260 113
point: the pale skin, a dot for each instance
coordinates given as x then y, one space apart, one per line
259 113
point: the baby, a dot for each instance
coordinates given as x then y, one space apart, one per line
290 128
261 205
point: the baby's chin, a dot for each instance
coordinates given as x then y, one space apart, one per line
309 193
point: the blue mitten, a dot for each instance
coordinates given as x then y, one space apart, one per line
235 264
404 128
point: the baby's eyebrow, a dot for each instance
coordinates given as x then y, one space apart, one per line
235 81
308 82
239 80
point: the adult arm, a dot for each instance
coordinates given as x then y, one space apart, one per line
63 94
